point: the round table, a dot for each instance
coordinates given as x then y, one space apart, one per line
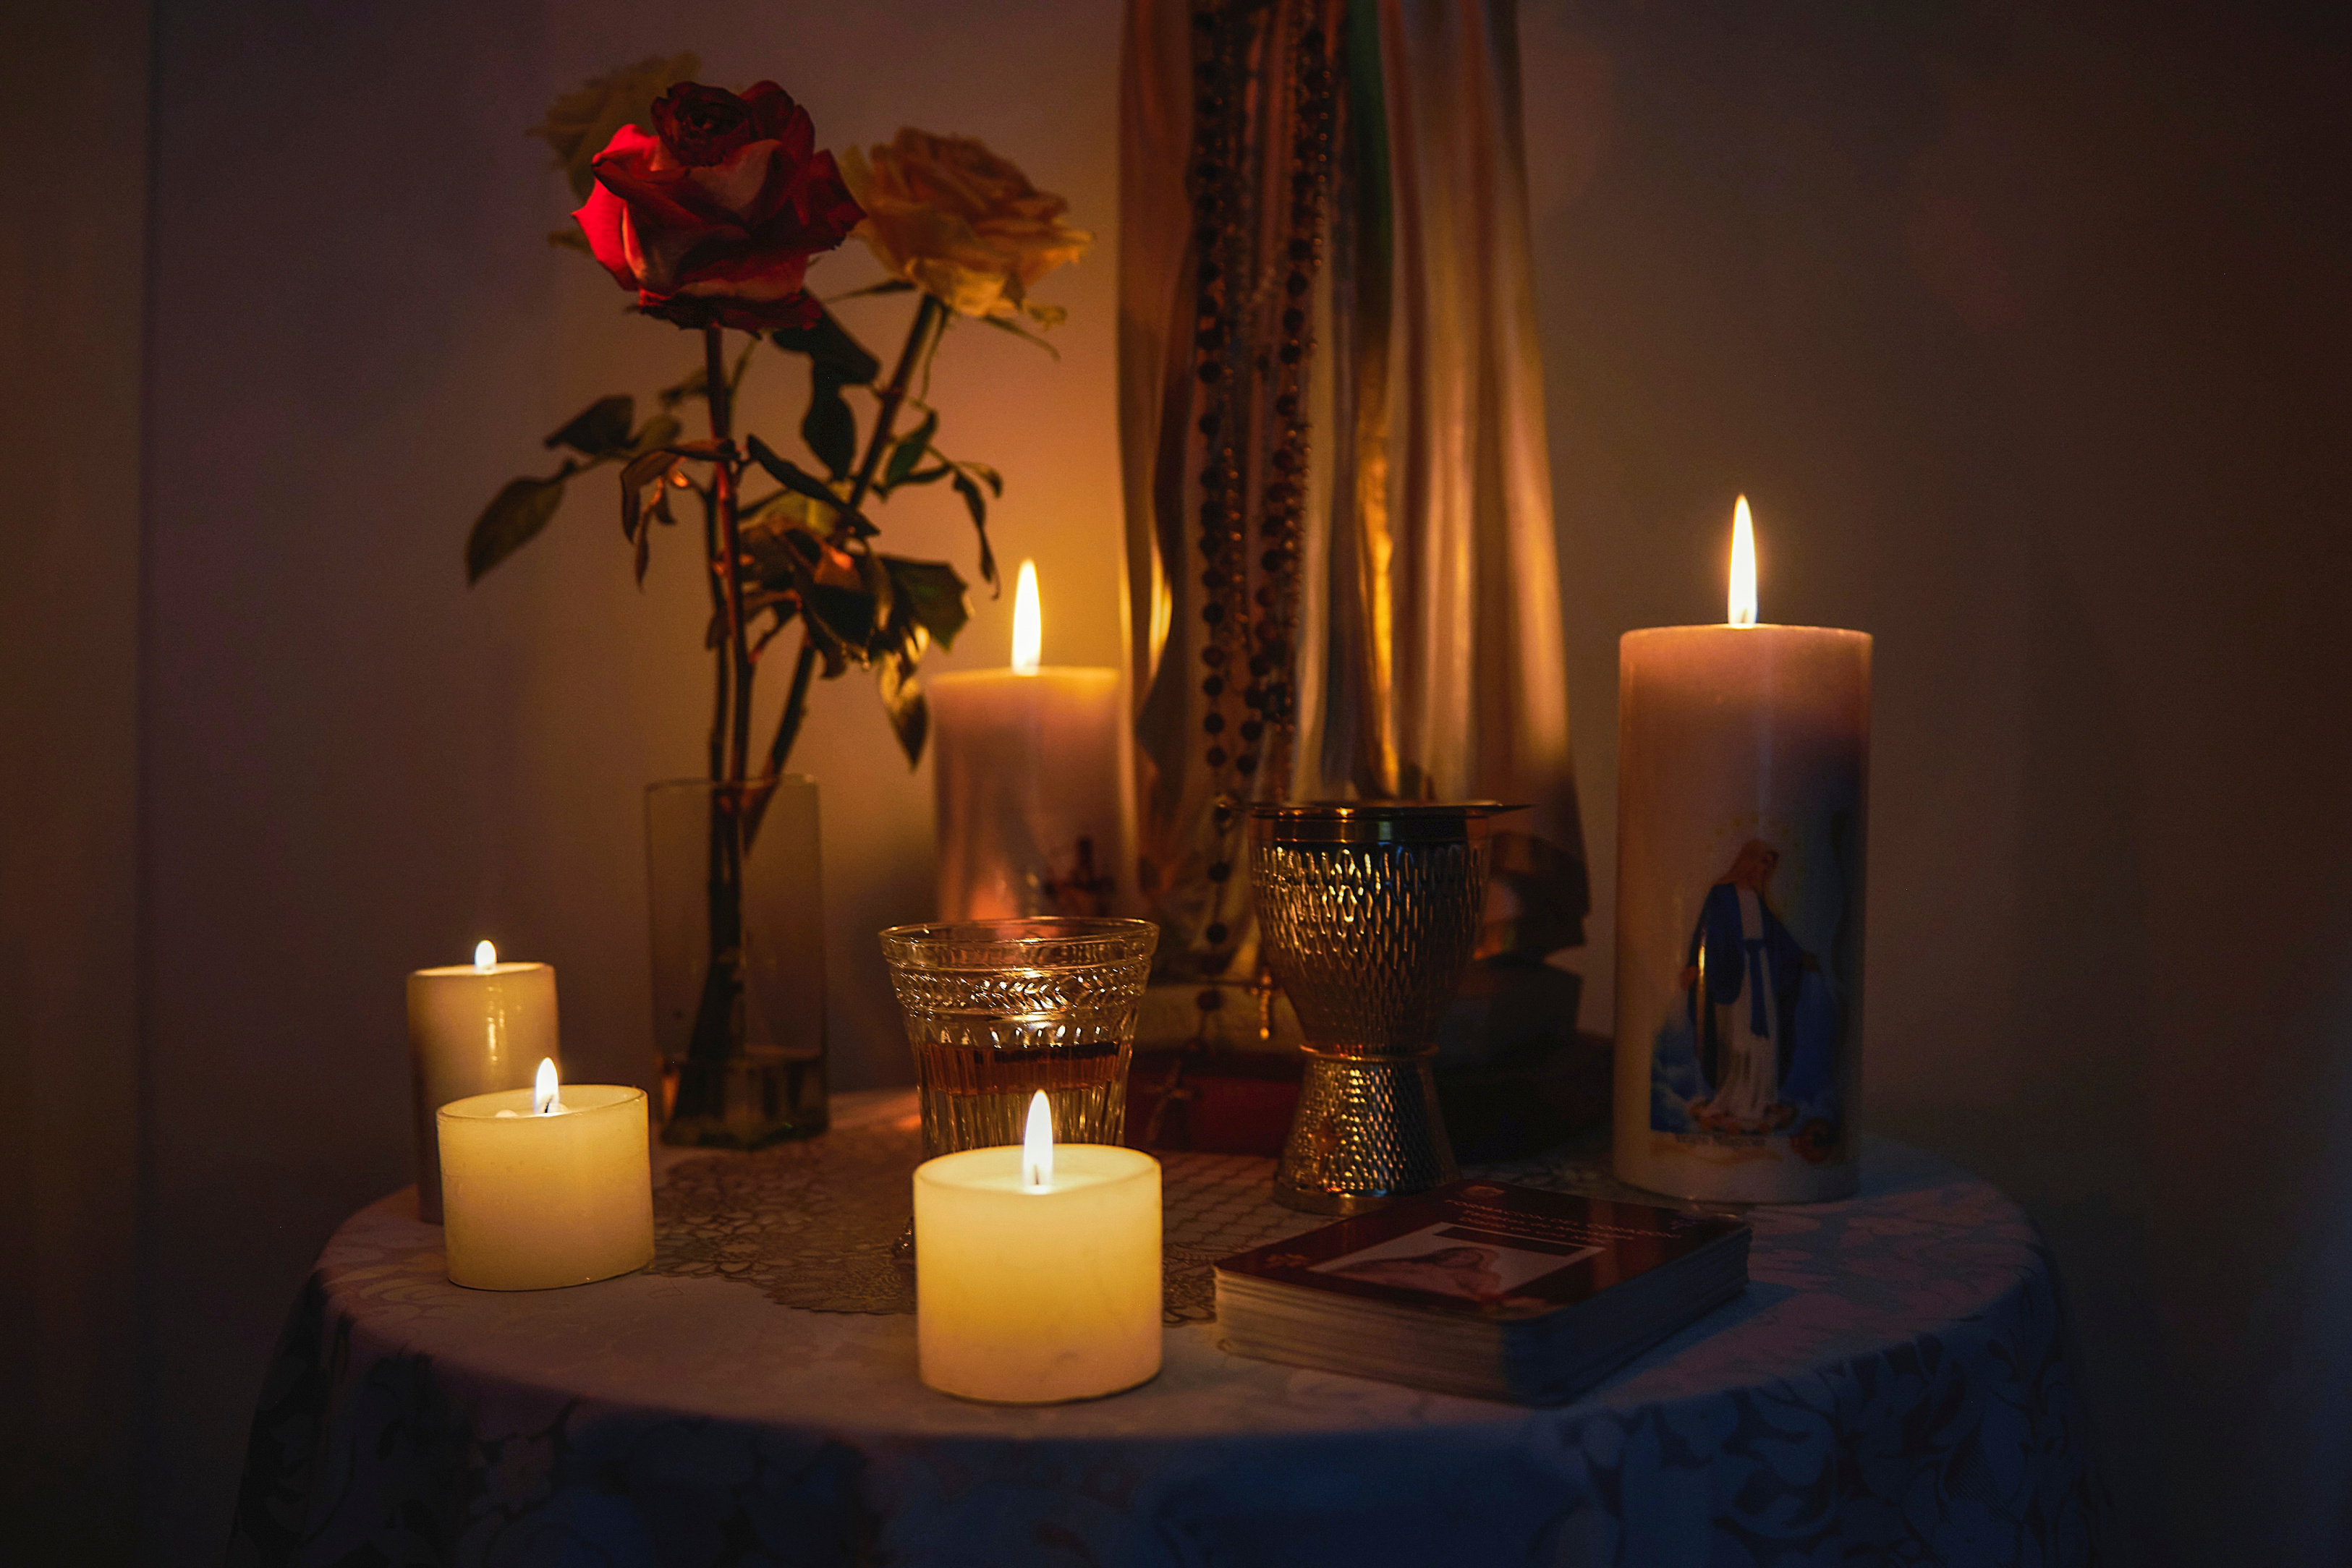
1895 1387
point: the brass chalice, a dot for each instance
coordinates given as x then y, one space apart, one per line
1368 911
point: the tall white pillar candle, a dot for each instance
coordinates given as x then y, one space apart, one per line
1037 1282
1026 765
1742 823
546 1188
473 1028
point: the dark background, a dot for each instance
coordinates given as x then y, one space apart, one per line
2025 333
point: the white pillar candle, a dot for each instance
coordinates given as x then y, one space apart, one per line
545 1187
1026 765
472 1027
1037 1270
1742 801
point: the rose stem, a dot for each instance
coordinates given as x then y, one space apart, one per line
928 317
714 382
787 723
701 1088
719 656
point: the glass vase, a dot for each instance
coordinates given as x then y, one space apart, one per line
737 960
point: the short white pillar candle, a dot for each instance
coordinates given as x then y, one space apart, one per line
541 1191
1037 1280
472 1029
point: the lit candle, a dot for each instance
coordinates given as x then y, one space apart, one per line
547 1186
1742 801
472 1027
1037 1269
1025 763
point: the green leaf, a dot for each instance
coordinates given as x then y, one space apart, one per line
690 385
902 699
829 427
647 467
909 452
1006 324
931 595
888 285
786 508
977 505
782 555
793 476
836 359
789 474
514 516
876 579
783 610
650 468
686 386
847 612
602 428
570 239
990 476
827 342
828 643
659 431
580 124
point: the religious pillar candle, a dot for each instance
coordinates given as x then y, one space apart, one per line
547 1186
1026 766
1037 1269
1743 773
472 1027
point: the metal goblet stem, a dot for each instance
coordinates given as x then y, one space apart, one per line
1369 911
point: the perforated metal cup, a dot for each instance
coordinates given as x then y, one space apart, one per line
1369 911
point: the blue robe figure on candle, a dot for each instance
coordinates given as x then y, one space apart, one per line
1750 973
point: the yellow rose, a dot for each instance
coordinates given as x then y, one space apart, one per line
960 223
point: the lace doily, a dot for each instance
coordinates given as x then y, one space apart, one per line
817 1225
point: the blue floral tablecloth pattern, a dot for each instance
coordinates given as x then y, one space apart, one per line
1895 1388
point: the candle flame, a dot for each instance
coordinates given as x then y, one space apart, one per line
1028 626
486 955
543 1100
1743 566
1037 1145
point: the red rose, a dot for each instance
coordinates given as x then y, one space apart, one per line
716 219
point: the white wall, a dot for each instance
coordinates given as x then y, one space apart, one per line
2025 336
73 92
356 766
2022 334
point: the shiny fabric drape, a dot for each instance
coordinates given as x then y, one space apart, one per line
1428 660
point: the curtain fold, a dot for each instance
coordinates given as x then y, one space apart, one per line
1415 626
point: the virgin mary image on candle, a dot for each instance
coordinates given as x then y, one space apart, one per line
1761 1021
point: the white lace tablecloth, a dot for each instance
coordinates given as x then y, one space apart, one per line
1895 1387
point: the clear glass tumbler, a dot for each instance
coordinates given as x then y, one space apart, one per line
998 1009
